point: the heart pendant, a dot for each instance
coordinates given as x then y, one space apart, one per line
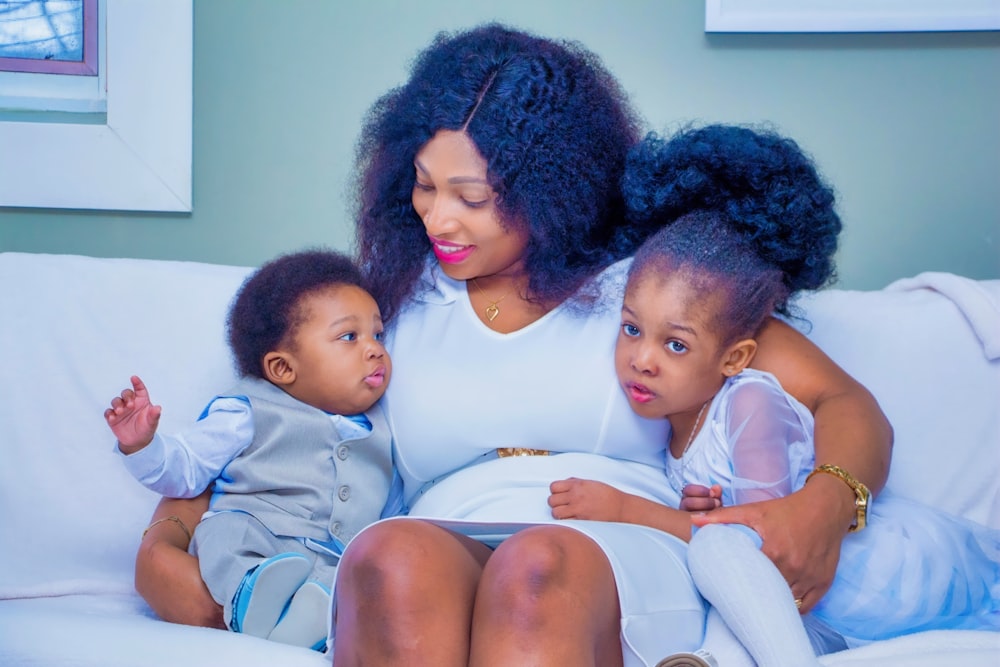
492 311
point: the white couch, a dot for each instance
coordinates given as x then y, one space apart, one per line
73 329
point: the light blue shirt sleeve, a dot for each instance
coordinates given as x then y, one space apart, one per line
185 464
395 505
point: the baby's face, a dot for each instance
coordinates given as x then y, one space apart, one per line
341 365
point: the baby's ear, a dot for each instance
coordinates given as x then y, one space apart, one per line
278 368
738 356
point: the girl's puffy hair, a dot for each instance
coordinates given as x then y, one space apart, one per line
757 181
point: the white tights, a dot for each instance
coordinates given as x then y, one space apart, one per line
753 619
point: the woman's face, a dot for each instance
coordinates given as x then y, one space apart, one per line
458 207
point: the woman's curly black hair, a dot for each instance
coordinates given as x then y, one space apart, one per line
739 200
554 128
268 306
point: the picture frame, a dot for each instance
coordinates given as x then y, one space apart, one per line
778 16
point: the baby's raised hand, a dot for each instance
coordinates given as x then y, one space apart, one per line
133 418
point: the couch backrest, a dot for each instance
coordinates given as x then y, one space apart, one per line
73 329
922 346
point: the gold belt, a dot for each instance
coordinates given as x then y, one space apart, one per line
503 452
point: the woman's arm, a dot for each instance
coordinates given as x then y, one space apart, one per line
851 430
166 575
802 532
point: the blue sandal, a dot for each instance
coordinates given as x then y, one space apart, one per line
306 619
265 592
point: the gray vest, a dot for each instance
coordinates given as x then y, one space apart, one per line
298 477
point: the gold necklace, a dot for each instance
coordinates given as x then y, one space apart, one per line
493 309
694 429
678 484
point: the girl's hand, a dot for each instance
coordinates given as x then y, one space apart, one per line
595 501
698 498
586 499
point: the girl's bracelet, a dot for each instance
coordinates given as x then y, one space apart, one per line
172 517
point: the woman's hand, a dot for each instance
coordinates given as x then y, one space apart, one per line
801 533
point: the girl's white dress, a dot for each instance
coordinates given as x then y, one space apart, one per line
459 391
913 568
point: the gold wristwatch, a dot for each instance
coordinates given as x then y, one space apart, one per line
863 497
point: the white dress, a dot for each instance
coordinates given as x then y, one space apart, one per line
913 568
459 391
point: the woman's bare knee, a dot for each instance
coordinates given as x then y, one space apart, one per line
404 595
403 557
369 562
552 587
548 566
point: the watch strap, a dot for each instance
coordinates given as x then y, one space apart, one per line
862 495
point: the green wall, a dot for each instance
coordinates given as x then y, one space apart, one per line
906 126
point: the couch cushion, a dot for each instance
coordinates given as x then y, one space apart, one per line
115 631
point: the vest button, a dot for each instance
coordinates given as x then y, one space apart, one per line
344 493
342 452
335 528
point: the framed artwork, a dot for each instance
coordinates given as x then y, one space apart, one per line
851 15
49 36
137 157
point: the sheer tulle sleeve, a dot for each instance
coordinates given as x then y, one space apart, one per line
763 427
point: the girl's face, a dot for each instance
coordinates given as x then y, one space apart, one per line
458 207
668 359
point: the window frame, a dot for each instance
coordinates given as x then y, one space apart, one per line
139 159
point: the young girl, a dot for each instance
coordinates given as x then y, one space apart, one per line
697 293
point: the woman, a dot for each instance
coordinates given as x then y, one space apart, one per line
490 225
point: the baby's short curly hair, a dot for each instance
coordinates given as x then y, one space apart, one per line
267 307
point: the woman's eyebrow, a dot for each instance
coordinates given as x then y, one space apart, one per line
457 180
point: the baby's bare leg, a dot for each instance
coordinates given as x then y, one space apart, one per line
166 575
